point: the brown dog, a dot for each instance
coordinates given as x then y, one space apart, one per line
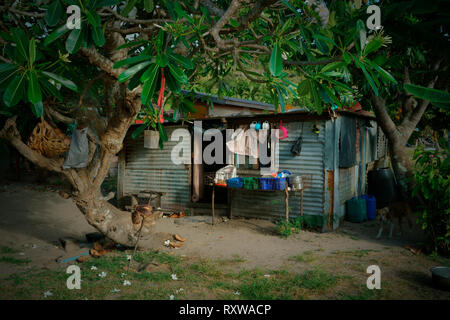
394 210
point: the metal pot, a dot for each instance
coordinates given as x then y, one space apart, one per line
441 277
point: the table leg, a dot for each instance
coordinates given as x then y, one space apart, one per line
230 202
212 204
301 202
287 204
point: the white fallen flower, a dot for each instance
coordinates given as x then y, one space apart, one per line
174 276
115 290
102 275
93 268
34 246
47 294
267 275
126 283
167 243
129 257
237 293
171 297
123 274
21 253
179 290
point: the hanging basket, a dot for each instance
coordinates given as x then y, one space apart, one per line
151 139
48 141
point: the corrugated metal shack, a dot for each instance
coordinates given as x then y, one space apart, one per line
337 151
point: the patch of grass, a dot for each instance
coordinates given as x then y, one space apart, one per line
307 256
363 294
264 289
315 280
14 260
360 253
443 261
7 250
152 276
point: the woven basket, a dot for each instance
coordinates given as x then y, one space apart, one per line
48 141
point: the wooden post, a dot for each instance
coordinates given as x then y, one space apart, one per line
287 204
301 202
212 204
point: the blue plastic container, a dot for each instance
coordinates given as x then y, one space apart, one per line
279 183
371 206
235 182
266 183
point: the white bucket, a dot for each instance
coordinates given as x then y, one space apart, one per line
151 139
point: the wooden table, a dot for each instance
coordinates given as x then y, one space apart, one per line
230 198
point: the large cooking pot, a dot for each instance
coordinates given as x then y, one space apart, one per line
382 185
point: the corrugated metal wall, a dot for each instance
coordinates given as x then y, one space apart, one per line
152 169
310 161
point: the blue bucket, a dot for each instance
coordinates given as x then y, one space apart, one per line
371 204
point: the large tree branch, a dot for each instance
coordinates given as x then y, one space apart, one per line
411 120
11 134
384 120
97 59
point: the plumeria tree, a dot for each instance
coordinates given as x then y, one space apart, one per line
133 58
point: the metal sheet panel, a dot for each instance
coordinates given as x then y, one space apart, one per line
153 169
310 161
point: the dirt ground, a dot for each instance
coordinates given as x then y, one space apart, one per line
33 218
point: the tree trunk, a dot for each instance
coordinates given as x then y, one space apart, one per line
109 220
398 137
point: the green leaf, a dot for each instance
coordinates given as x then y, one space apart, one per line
34 90
148 73
281 99
106 3
132 44
21 42
63 81
136 133
98 36
127 74
131 61
162 60
15 91
384 74
94 18
53 13
181 60
333 66
56 34
428 94
177 73
159 41
51 89
304 87
367 75
372 46
74 41
149 5
292 8
37 109
7 73
234 23
150 84
162 133
130 5
173 84
32 50
276 61
6 68
316 98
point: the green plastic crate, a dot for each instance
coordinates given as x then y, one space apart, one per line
251 183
